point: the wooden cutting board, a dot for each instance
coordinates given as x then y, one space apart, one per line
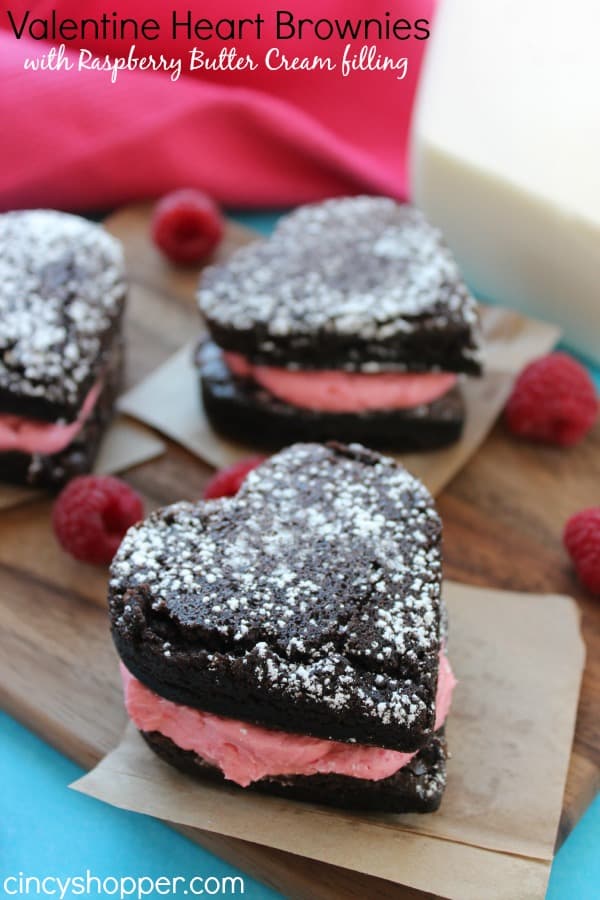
502 515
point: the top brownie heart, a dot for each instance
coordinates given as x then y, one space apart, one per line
359 283
310 602
62 292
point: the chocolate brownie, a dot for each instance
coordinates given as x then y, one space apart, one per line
62 294
417 787
309 603
356 284
240 409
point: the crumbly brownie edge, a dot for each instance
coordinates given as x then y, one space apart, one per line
430 348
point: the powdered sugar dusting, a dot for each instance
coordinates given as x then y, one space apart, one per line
357 266
61 289
322 575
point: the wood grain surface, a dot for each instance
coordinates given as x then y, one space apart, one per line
503 516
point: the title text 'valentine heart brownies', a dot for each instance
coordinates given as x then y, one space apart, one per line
62 293
292 638
351 322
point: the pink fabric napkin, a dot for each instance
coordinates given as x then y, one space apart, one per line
76 140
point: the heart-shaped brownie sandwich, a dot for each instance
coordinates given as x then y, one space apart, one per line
62 295
351 321
317 586
307 607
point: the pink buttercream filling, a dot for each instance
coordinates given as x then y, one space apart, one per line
35 436
335 391
246 753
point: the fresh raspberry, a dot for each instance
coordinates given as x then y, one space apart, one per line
554 401
187 226
91 515
582 539
227 482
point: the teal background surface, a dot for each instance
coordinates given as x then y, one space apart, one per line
46 829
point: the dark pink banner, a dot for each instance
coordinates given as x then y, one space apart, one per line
76 139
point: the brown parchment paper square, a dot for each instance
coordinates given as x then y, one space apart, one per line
518 659
169 399
126 444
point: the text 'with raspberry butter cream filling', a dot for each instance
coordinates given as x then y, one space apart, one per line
351 322
291 639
